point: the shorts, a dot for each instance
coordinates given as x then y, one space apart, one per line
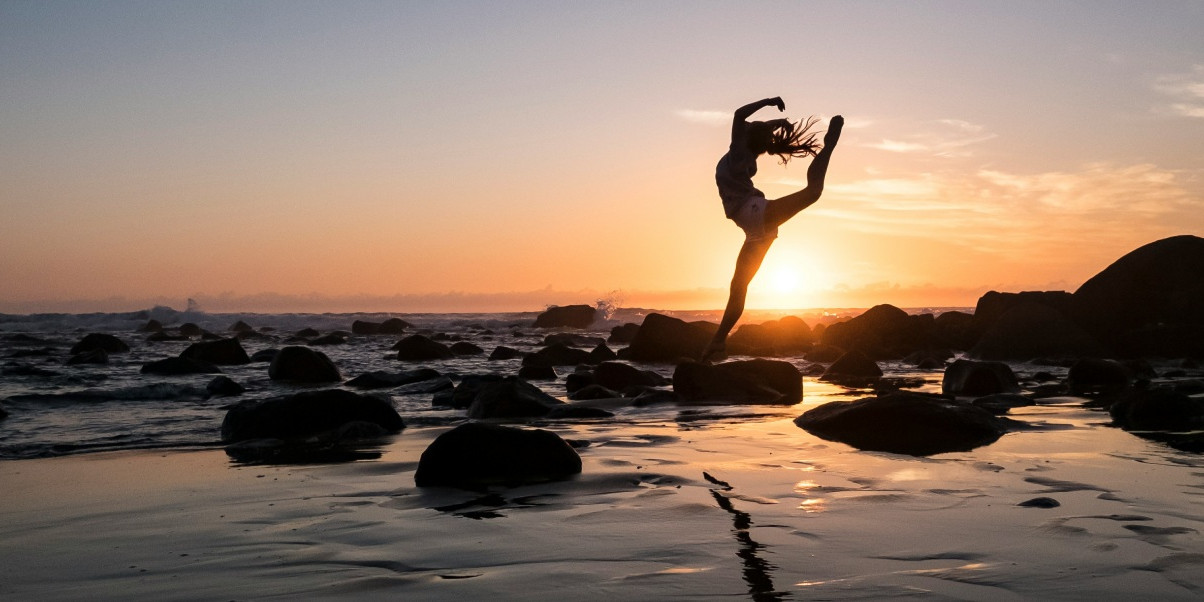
751 219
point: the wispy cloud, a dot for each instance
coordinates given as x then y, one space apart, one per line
1185 91
943 138
704 117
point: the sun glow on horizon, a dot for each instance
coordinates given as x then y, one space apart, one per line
788 279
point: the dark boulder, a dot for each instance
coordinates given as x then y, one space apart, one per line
620 376
757 381
1002 403
151 326
1029 330
854 368
578 380
380 379
264 355
462 396
302 364
623 334
502 352
600 354
91 356
882 332
569 316
334 338
224 386
993 305
188 329
305 415
307 333
466 348
175 366
511 397
537 372
363 327
570 339
976 379
1158 410
97 340
776 337
904 423
955 330
1098 376
418 348
221 352
394 326
476 455
556 355
1158 284
824 354
665 339
241 326
594 392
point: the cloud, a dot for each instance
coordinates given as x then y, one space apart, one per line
704 117
942 138
1185 90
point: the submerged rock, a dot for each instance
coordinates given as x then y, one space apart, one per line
91 356
904 423
754 381
476 455
224 386
303 364
308 415
175 366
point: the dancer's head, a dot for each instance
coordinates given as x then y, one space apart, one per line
783 138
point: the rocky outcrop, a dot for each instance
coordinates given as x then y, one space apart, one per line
302 364
757 381
476 455
568 316
904 423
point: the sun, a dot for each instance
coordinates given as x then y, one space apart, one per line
787 281
783 280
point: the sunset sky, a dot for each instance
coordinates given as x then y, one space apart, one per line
470 156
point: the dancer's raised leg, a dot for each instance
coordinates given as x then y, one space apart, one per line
778 211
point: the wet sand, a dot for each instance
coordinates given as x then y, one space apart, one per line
722 508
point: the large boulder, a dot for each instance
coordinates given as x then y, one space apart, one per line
464 393
1158 284
904 423
302 364
1158 410
882 332
1030 330
968 378
177 366
476 455
954 330
419 348
557 355
854 368
665 339
221 352
394 326
97 340
305 415
777 337
511 397
756 381
993 305
620 376
1098 376
570 316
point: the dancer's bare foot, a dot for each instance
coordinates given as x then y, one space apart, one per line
715 352
833 133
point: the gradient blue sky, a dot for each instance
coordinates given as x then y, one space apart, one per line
486 155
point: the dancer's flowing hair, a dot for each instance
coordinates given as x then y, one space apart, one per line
793 140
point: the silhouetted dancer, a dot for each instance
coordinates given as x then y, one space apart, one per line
748 207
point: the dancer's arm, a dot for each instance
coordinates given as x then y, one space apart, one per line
746 111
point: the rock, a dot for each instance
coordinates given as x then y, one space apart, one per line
1030 330
307 333
1002 403
656 396
151 326
993 305
600 354
224 386
954 329
465 392
1098 376
572 412
853 368
569 316
570 339
305 415
777 337
882 332
175 366
333 338
505 353
1157 410
380 379
476 455
511 397
537 373
97 340
241 326
394 326
188 329
757 381
620 376
621 335
430 385
904 423
556 355
1040 502
594 392
665 339
91 356
362 327
1157 284
824 354
264 355
303 364
466 348
418 348
577 381
967 378
221 352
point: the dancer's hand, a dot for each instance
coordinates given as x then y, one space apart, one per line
777 102
834 128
